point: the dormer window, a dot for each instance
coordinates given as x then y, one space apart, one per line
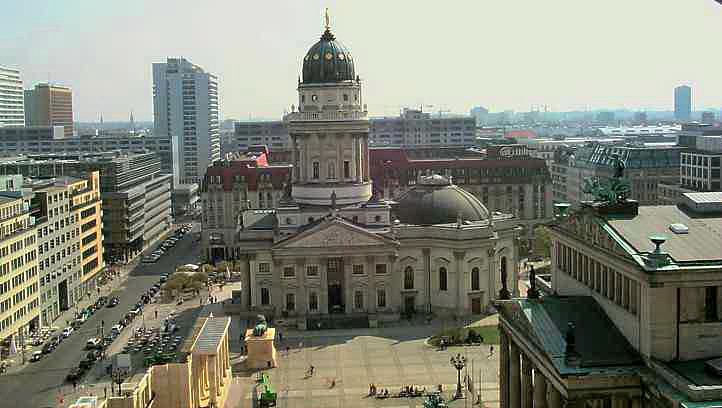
314 98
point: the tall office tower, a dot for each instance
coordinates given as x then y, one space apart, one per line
12 111
50 105
185 109
683 102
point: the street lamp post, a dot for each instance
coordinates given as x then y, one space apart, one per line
118 377
458 362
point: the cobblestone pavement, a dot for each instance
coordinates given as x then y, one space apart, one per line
389 358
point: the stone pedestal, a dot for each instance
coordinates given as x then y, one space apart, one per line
261 349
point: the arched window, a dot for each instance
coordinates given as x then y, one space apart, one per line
475 279
331 170
409 278
443 279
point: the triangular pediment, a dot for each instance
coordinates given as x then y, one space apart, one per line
334 233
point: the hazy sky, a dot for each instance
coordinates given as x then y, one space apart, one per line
453 54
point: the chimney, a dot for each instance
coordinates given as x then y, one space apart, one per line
571 356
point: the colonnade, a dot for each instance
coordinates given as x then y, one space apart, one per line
523 385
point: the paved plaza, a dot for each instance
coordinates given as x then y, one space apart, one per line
389 358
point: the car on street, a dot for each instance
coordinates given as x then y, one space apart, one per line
150 259
67 332
92 343
36 356
116 329
113 302
93 355
49 347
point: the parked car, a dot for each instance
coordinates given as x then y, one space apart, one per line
117 328
37 356
49 347
113 302
67 332
92 343
93 355
150 259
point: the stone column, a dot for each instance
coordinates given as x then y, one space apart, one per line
514 261
619 401
371 287
323 291
427 277
459 257
252 287
347 289
367 167
636 402
302 301
245 282
392 288
527 391
354 158
514 376
493 292
503 368
555 398
540 389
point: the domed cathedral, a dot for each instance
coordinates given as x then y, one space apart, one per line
333 254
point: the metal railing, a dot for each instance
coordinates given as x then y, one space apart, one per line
327 116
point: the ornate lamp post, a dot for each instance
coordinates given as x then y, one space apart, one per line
458 362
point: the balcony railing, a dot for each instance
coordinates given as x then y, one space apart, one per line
326 116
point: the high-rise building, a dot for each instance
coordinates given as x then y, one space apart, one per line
683 102
50 105
11 97
185 108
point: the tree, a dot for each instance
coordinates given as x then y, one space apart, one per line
542 242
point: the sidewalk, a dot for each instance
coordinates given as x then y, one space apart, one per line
68 316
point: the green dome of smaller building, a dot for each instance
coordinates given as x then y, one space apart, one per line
328 61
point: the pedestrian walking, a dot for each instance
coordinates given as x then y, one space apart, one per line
156 314
75 385
280 336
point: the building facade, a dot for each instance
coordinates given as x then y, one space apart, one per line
645 167
683 103
635 318
50 105
136 196
19 287
330 245
185 109
68 216
505 178
12 104
412 128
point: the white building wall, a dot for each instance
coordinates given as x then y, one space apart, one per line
12 99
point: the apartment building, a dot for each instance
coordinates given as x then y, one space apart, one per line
12 105
185 109
50 105
644 166
19 286
136 196
68 216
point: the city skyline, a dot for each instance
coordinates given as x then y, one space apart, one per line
455 57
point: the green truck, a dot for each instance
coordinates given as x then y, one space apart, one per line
268 396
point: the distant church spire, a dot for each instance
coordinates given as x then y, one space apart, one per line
101 119
132 122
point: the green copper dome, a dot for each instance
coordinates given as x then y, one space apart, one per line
327 61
